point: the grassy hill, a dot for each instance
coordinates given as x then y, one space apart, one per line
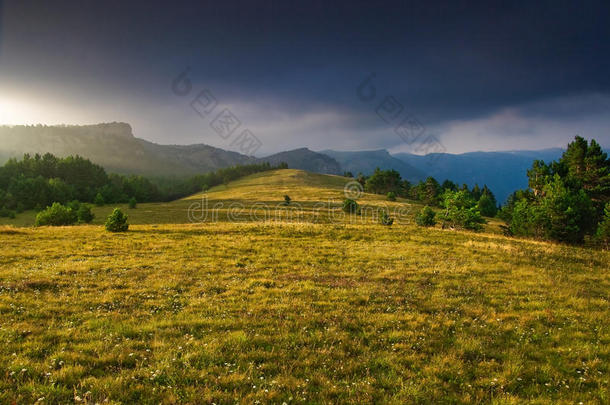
297 311
315 197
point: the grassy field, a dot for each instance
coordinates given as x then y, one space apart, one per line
316 198
296 311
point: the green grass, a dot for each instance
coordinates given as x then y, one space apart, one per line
298 312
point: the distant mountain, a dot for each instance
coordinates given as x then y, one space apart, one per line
114 147
503 172
366 162
305 159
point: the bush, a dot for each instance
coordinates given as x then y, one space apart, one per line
391 196
385 219
117 221
287 200
99 199
461 211
5 212
74 205
133 202
350 206
487 206
56 215
84 214
425 217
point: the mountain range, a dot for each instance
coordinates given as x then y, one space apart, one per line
114 146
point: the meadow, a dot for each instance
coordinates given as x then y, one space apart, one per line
321 309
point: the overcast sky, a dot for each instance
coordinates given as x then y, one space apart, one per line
479 77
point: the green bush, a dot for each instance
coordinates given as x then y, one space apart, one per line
133 202
350 206
385 219
56 215
391 196
425 217
487 206
74 205
99 199
84 214
461 211
117 221
5 212
287 200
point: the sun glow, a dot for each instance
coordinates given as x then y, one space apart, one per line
14 111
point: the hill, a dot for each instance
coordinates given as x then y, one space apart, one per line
503 172
301 305
366 162
315 198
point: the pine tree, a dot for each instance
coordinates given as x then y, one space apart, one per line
538 176
596 179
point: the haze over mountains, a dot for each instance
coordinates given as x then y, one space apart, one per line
114 146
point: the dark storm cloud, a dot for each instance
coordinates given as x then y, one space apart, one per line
446 62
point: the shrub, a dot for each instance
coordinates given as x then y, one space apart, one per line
74 205
84 214
425 217
5 212
287 200
461 211
56 215
99 199
487 206
385 219
117 221
350 206
133 202
391 196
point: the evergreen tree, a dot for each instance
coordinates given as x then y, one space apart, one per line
117 221
538 176
449 185
430 194
596 179
383 181
603 229
476 192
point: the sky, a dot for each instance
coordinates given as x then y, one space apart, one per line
317 74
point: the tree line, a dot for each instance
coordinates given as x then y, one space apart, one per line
567 200
36 182
463 207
